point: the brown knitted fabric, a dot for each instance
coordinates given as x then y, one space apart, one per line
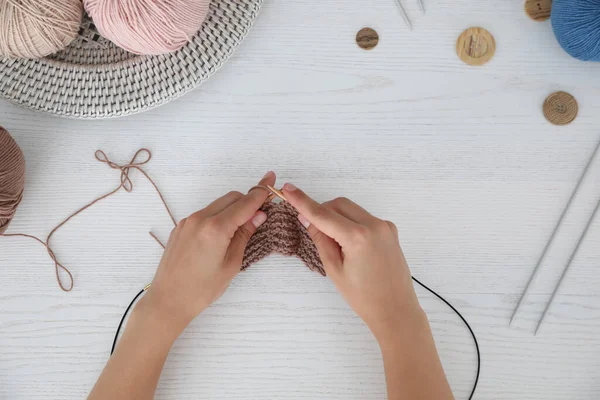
282 233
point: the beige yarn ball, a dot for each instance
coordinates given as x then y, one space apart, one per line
37 28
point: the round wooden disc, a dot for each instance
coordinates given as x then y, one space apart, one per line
560 108
538 10
475 46
367 38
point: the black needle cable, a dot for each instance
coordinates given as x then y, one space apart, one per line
414 279
468 327
112 350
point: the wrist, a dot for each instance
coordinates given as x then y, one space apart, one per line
165 325
403 326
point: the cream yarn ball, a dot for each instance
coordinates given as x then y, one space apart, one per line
148 27
37 28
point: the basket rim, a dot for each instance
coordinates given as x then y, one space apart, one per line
78 110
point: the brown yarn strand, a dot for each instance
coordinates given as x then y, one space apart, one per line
57 265
158 240
126 184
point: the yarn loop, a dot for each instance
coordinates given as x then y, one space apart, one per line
125 184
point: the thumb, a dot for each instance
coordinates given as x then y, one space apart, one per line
237 246
329 250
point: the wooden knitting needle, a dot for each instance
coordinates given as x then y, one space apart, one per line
553 235
273 192
276 192
562 277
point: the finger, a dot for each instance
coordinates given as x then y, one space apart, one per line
350 210
219 205
244 208
175 231
323 218
237 246
268 179
329 250
393 228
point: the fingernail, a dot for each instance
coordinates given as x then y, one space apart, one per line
304 221
259 219
268 174
290 187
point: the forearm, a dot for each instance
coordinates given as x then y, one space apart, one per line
412 366
134 369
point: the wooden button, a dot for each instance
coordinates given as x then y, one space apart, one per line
475 46
538 10
560 108
367 38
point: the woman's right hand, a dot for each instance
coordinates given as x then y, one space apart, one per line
362 256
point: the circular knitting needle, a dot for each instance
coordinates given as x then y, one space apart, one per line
552 236
270 189
276 192
562 277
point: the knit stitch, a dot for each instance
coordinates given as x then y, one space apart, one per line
282 233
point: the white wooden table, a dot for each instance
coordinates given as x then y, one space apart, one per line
460 158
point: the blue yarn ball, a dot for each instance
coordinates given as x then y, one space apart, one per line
576 24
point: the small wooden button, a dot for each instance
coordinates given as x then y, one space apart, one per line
560 108
367 38
475 46
538 10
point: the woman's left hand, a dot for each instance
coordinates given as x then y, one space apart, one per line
204 254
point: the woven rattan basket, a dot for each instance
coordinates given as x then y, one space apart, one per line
93 78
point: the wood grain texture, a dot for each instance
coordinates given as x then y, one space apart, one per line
560 108
476 46
538 10
463 162
367 38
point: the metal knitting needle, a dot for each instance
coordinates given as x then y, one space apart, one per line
552 236
562 277
404 14
421 5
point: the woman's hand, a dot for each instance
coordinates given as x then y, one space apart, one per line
362 256
203 255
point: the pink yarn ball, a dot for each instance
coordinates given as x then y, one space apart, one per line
148 27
